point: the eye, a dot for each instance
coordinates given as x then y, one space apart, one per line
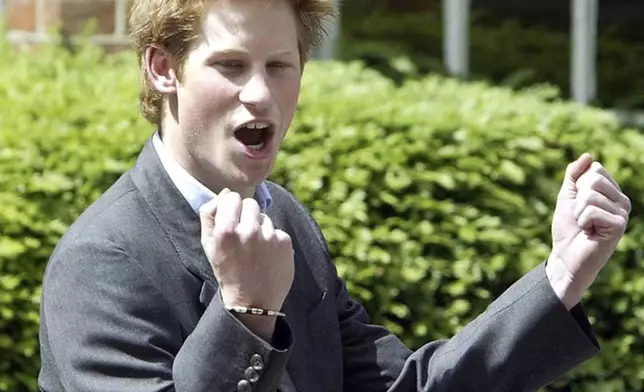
230 65
278 65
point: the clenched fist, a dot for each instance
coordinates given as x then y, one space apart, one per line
252 261
589 220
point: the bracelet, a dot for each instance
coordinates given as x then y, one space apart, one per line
256 311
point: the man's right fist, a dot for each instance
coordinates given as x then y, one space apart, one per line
252 261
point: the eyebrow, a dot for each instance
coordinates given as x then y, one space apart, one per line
224 52
219 52
287 52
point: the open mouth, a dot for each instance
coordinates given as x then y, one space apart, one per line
255 135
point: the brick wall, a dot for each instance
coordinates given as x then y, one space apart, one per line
30 21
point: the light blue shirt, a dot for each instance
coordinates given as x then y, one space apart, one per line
192 190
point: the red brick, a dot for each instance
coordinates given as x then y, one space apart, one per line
20 15
75 14
71 15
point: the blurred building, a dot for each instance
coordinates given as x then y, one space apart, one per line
581 23
31 21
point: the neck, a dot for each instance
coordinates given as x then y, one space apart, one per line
175 150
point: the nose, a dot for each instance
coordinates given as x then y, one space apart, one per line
256 93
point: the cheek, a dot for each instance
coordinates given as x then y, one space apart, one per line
289 94
205 115
208 99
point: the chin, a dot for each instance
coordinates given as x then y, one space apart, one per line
256 171
251 178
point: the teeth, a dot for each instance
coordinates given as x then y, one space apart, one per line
257 125
256 147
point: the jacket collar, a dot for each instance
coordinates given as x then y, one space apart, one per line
176 216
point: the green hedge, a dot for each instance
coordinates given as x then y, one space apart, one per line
434 196
68 128
504 53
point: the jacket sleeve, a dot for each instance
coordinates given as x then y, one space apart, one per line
525 340
107 327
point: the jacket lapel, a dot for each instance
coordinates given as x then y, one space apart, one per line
180 223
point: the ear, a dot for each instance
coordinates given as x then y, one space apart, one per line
160 70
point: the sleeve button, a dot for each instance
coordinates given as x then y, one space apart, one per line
257 362
251 375
244 386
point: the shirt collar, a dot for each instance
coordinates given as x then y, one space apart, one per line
192 190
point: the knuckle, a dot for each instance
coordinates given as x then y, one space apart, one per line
596 210
255 232
248 234
225 234
594 180
628 205
622 222
283 238
207 210
274 237
232 197
287 241
249 201
583 182
596 166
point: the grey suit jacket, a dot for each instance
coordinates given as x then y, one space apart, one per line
130 304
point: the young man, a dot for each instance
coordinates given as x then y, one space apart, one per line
193 273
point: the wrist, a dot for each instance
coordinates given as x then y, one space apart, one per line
262 326
240 298
563 283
